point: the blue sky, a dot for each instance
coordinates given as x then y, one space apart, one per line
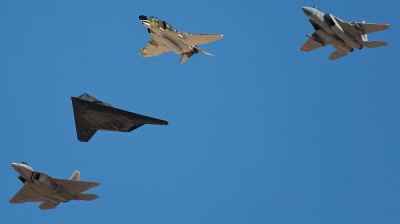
260 133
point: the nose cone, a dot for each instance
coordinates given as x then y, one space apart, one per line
15 165
142 17
307 10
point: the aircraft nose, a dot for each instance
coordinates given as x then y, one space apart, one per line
15 165
307 11
142 17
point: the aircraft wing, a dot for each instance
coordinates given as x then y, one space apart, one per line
196 39
75 187
134 127
154 47
83 132
311 45
25 195
337 54
373 27
47 205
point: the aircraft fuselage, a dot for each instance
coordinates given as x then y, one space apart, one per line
169 36
329 30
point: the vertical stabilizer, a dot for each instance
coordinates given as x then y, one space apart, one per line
364 37
75 176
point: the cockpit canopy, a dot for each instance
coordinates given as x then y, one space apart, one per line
25 163
160 23
90 98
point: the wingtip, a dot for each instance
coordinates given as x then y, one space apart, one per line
162 122
83 140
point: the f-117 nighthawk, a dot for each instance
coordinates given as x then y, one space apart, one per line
91 115
165 38
343 36
40 187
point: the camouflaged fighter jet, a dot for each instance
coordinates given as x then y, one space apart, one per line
164 38
91 115
343 36
39 187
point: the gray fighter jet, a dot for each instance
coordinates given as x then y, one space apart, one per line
39 187
164 38
343 36
91 115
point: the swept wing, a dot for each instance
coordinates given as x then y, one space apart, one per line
366 28
25 195
154 47
373 27
196 39
83 132
311 45
75 187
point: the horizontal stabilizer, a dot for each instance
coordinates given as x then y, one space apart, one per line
373 44
47 205
204 52
185 57
372 27
86 197
337 54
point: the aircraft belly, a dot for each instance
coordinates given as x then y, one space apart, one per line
347 40
177 39
323 24
105 121
338 44
52 199
55 196
40 189
62 196
100 117
171 45
326 38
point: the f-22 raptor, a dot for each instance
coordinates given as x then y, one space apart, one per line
39 187
165 38
343 36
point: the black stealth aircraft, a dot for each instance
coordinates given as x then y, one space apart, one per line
91 115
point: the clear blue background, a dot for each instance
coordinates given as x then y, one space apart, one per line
260 133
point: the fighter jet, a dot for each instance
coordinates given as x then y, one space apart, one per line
164 38
39 187
344 36
91 115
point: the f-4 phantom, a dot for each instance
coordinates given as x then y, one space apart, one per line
39 187
165 38
91 115
343 36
